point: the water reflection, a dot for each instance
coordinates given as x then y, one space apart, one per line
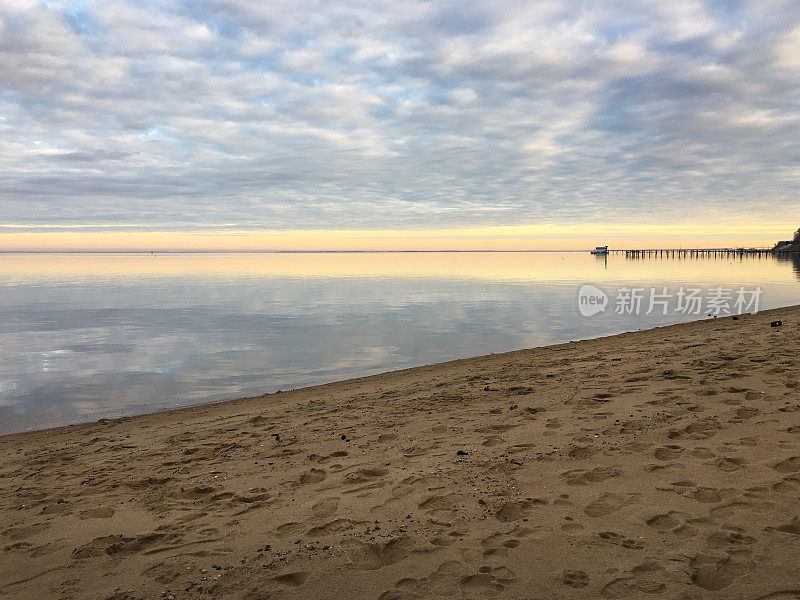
92 336
793 258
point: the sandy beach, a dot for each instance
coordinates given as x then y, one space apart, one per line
653 464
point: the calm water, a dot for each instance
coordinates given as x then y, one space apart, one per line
92 336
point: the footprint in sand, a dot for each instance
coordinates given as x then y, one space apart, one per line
701 452
738 511
790 465
292 579
637 447
713 573
699 430
56 509
334 526
311 476
117 544
620 540
670 452
365 475
665 522
408 583
164 572
664 468
729 463
792 526
646 579
488 581
439 503
584 477
195 493
746 412
513 511
499 544
632 587
788 485
582 452
726 539
706 495
326 459
442 541
684 483
574 578
406 588
325 508
370 557
573 528
686 532
607 503
22 533
288 529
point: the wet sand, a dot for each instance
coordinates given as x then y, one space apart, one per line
654 464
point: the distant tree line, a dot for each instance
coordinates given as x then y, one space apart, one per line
792 245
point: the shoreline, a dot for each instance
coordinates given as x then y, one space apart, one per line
363 378
658 463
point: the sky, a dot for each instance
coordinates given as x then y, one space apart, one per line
247 124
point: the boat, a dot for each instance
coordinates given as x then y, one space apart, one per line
600 250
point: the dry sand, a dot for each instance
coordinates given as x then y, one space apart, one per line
655 464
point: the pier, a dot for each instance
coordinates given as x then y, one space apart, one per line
697 252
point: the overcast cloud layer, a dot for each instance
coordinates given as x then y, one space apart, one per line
352 114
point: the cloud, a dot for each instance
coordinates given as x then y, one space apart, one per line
88 155
313 114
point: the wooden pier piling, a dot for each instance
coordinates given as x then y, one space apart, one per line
696 252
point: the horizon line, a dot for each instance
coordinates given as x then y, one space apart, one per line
234 251
373 251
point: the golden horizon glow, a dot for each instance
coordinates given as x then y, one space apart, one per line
487 266
576 236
